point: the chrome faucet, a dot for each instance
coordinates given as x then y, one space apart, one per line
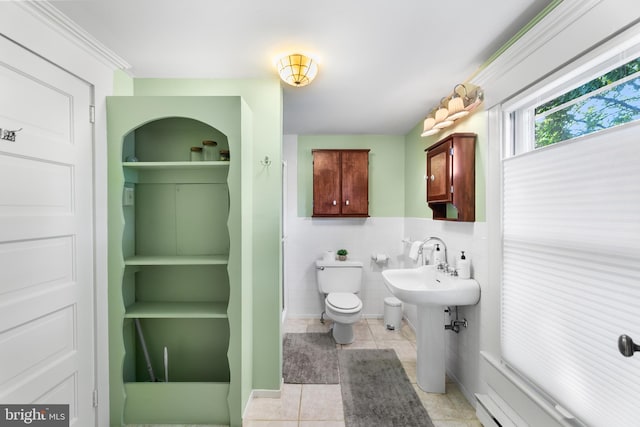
441 266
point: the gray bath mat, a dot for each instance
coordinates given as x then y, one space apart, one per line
310 358
377 392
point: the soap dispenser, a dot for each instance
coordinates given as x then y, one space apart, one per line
438 256
463 267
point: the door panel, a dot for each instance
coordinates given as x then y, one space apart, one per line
49 261
355 182
439 174
326 182
46 246
34 187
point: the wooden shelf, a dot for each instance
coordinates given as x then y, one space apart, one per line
178 260
176 172
175 165
177 310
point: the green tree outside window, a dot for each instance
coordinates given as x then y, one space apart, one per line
604 102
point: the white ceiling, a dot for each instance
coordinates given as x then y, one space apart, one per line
383 64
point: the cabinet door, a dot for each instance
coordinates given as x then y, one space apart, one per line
355 182
439 173
326 182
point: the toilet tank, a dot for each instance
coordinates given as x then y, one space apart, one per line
338 276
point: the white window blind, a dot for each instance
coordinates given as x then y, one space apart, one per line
571 273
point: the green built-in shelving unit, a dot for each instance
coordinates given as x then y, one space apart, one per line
174 260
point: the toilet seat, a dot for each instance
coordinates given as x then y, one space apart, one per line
344 302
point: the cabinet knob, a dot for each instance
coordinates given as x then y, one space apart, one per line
432 178
346 202
335 203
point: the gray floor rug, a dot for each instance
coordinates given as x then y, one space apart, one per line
377 392
310 358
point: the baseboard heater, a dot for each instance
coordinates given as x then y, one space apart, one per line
490 414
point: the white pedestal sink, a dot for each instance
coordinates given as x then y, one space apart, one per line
431 291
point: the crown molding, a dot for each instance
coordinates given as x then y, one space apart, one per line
58 21
540 34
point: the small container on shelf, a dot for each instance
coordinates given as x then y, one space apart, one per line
196 154
224 156
209 150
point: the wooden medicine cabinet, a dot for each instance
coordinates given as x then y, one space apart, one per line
451 177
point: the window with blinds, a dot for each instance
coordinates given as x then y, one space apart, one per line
571 272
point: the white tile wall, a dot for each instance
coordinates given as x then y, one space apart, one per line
308 239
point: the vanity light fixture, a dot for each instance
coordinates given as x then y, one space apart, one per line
429 123
442 116
297 69
464 99
456 104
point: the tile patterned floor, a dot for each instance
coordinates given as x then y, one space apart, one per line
312 405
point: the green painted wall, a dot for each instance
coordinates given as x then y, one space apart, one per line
415 164
261 322
386 167
122 84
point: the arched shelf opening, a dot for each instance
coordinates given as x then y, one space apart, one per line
170 139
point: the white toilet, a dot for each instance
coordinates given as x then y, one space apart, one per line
340 281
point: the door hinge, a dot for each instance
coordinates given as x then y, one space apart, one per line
95 398
451 151
92 114
452 189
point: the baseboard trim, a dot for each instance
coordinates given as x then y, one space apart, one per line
262 393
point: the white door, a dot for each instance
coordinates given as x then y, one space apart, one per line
46 238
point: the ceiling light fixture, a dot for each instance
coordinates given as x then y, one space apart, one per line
464 99
297 69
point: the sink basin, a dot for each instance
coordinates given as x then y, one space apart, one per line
427 286
430 290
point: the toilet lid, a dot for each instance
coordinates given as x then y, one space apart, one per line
343 300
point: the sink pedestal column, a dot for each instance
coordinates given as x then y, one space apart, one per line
430 364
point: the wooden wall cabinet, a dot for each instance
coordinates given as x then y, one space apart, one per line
451 178
341 183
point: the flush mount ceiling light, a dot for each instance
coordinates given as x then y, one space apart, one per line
297 69
464 99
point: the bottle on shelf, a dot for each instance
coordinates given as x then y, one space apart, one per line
196 154
209 150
